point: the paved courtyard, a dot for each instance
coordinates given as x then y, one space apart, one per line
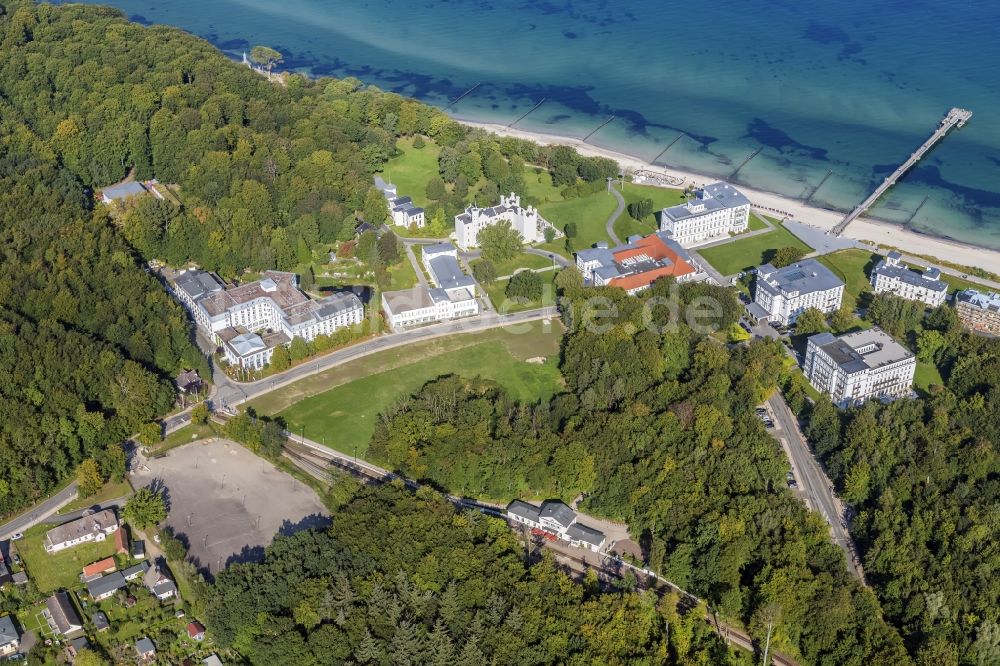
228 503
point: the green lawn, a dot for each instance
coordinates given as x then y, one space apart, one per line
522 260
401 276
590 213
186 435
757 222
926 375
853 267
410 171
52 571
958 284
499 299
538 187
110 491
340 406
31 619
745 253
662 197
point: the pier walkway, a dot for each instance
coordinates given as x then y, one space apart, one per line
956 117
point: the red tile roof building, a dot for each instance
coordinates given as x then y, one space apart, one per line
636 265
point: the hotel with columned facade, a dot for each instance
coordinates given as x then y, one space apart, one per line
251 320
785 293
716 211
891 275
859 366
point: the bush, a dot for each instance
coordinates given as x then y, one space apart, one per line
418 142
640 209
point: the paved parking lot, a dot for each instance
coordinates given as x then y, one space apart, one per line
228 503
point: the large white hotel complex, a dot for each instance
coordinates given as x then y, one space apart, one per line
782 294
859 366
525 221
893 276
716 211
452 296
250 320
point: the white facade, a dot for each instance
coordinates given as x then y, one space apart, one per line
94 527
716 211
558 520
525 221
788 292
421 305
402 210
892 276
859 366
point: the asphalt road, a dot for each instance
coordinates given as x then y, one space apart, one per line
812 480
610 225
228 393
39 512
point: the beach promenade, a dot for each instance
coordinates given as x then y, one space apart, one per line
862 229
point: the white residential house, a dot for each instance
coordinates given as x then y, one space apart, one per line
402 210
785 293
525 221
250 320
557 519
160 584
715 211
10 637
893 276
95 527
859 366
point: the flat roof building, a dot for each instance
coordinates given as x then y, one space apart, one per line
979 310
637 264
716 210
856 367
893 276
787 292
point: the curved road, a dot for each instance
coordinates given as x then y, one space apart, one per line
39 512
610 226
229 393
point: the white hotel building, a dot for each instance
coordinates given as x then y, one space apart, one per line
785 293
453 295
859 366
525 221
250 320
402 210
893 276
716 211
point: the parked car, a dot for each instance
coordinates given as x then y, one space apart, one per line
16 535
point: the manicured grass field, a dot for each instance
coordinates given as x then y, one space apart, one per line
757 222
590 213
743 254
340 406
958 284
499 299
522 260
853 267
926 375
410 171
662 197
52 571
538 187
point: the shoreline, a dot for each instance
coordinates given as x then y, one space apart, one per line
875 232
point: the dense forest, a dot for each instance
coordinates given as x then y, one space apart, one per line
264 172
657 429
403 579
924 478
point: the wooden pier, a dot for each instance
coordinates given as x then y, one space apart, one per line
956 117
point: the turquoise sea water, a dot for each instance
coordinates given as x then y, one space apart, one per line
845 88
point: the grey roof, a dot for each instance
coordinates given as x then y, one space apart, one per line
20 578
524 510
101 621
862 350
895 255
137 570
164 586
980 299
62 612
757 311
8 630
197 284
247 343
124 190
105 584
138 549
578 532
438 248
335 304
929 280
212 660
717 196
448 274
75 529
804 277
80 643
144 645
558 512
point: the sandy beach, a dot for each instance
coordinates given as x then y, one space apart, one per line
863 229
